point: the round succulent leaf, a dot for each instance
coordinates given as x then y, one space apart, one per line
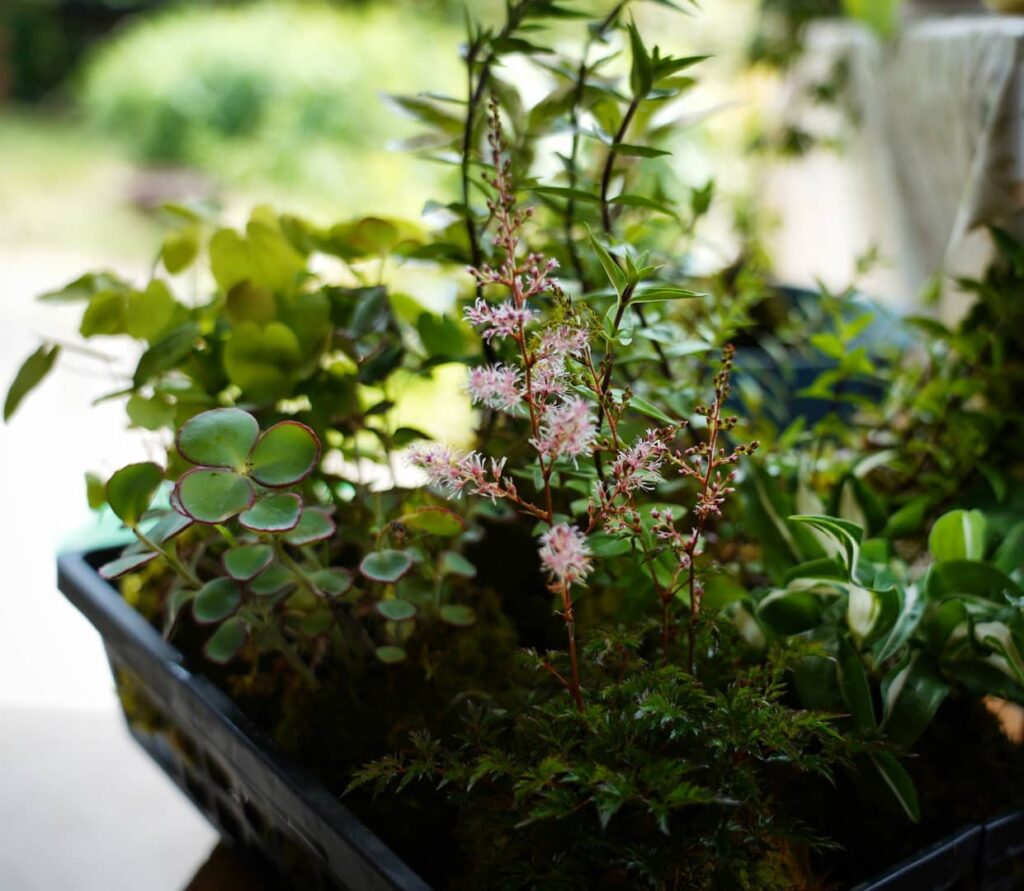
221 437
314 525
333 582
396 610
453 563
386 566
170 525
128 563
212 496
216 600
227 641
458 614
286 454
131 489
276 512
247 561
273 580
391 655
434 520
316 623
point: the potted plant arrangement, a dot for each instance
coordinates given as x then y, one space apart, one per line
614 641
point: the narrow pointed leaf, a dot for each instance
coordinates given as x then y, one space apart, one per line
123 565
32 372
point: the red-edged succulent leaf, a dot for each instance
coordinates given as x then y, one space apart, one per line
276 512
170 525
216 600
396 610
227 641
131 489
286 454
333 582
386 566
434 520
221 437
314 525
273 580
128 563
247 561
212 496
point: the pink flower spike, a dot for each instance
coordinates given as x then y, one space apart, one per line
501 320
637 468
567 429
496 386
563 340
453 473
564 554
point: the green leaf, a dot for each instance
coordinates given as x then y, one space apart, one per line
790 612
216 600
911 695
333 582
273 580
222 437
845 534
213 496
131 489
1009 556
911 610
391 654
958 535
227 641
245 562
434 520
128 563
453 563
458 615
386 566
997 636
180 249
166 353
853 683
611 268
662 293
276 512
169 526
643 201
638 151
395 610
32 372
646 408
563 192
641 75
149 312
314 525
286 454
969 578
106 314
870 612
150 414
247 302
262 360
95 491
908 519
899 783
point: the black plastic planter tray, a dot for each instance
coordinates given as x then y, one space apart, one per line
261 801
252 795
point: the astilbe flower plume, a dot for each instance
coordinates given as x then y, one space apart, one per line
565 554
455 472
496 386
567 430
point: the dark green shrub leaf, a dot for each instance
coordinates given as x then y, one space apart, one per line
911 695
32 372
790 612
216 600
395 610
385 566
277 512
844 533
853 682
131 489
227 641
435 520
899 783
166 353
222 437
286 454
213 496
457 614
247 561
969 578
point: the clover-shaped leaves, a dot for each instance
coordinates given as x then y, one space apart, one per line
235 465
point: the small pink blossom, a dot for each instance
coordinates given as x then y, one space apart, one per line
455 472
567 429
563 340
496 386
564 554
501 320
638 467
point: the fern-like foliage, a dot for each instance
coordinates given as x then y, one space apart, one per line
667 780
